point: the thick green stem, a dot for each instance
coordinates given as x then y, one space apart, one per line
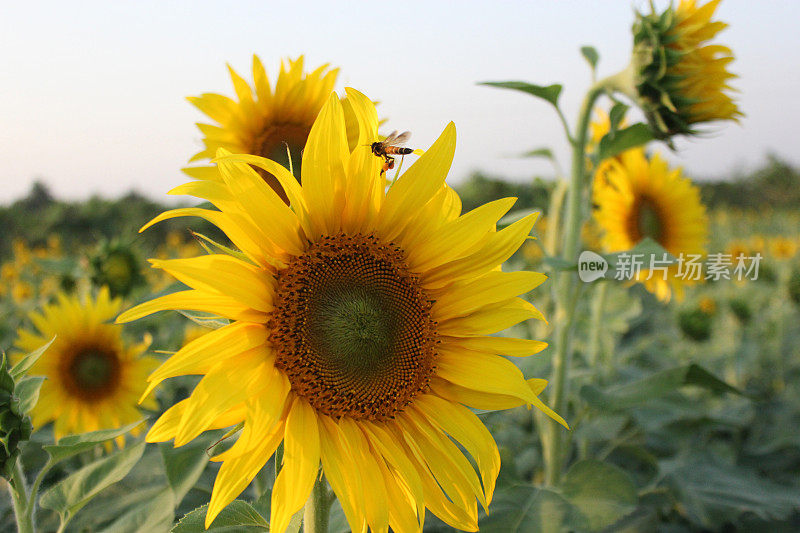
317 509
596 323
19 495
566 282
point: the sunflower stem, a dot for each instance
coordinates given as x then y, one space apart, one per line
566 287
317 509
20 497
598 304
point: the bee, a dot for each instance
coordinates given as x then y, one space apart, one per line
391 146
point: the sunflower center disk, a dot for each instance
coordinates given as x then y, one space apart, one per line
93 373
277 142
649 221
352 328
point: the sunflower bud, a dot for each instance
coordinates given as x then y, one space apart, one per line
680 79
695 324
741 309
15 426
117 266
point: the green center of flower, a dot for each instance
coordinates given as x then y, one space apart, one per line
352 329
280 142
92 373
648 221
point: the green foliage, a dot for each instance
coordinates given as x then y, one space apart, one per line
72 445
549 93
39 215
18 394
794 286
695 324
479 189
239 516
640 391
71 494
591 55
616 142
602 492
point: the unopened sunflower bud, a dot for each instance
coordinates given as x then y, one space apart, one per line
117 266
15 425
681 80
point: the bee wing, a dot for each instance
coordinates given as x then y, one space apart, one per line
390 138
402 138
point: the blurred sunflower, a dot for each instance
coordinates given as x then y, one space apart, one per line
680 78
782 247
362 322
644 198
738 248
265 121
93 378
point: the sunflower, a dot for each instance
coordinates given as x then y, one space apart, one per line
93 378
361 324
681 79
644 198
782 247
265 121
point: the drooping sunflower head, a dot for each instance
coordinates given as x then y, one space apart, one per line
266 120
681 78
94 379
361 329
645 198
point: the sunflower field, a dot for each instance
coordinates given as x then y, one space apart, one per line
334 334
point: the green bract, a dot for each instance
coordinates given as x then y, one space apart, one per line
15 424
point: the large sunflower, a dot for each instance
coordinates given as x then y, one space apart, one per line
361 329
265 121
637 197
680 78
93 379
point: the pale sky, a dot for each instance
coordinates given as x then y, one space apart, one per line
92 94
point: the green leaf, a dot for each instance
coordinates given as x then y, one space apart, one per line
547 153
590 54
528 509
156 513
653 386
75 444
183 466
604 493
69 495
6 381
237 516
614 143
27 390
617 115
221 247
545 92
210 321
26 362
557 263
514 216
712 493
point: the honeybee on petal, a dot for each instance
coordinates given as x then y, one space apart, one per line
391 146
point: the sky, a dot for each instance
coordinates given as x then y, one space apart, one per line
92 94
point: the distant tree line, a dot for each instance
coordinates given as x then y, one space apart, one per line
774 185
85 223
